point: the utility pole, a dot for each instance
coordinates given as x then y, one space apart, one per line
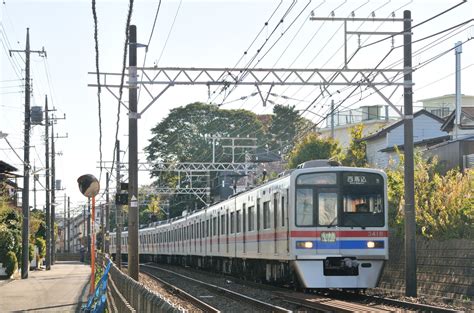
48 204
68 224
457 52
133 266
102 213
332 118
34 186
25 203
118 213
89 228
53 185
53 192
64 222
410 214
105 238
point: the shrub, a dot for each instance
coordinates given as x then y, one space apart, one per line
7 242
31 252
41 244
11 263
444 203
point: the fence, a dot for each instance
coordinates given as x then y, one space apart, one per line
124 294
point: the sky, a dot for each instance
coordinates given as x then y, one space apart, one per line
194 33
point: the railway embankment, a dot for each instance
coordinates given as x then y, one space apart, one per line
445 270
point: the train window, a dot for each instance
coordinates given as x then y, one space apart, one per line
203 229
251 218
363 199
239 221
232 222
317 179
227 223
304 207
244 219
207 228
266 215
283 211
275 210
258 214
327 208
222 224
214 226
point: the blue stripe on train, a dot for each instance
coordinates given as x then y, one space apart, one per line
343 244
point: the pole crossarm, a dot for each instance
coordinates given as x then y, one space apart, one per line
255 76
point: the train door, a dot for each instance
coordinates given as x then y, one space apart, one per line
275 221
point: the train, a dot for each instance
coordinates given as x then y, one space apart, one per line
318 226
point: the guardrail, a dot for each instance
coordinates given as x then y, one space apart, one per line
124 294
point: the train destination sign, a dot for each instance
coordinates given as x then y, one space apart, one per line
354 178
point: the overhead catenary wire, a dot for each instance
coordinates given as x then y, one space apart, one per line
416 25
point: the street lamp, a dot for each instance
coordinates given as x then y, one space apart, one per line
3 135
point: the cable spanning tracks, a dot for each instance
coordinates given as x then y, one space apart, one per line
216 298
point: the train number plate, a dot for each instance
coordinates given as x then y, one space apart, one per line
328 236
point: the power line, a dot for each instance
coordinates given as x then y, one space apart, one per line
169 33
419 24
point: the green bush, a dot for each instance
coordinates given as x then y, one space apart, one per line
41 244
11 263
7 242
31 252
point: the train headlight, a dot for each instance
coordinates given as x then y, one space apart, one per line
304 244
375 244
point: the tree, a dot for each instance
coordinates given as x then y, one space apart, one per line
444 203
313 147
185 136
356 154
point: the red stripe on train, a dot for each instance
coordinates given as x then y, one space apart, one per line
340 233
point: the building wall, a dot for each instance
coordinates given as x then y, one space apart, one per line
374 156
424 127
343 133
448 101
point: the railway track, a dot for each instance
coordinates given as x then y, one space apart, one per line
210 297
329 301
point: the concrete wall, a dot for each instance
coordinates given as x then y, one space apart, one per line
444 269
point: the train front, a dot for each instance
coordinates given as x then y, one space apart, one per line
339 235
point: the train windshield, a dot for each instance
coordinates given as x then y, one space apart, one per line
362 199
351 199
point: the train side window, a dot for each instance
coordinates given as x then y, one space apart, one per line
275 210
266 215
283 210
250 214
203 229
207 228
258 214
222 224
232 222
244 218
238 218
214 226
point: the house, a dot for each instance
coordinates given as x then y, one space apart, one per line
443 106
8 181
372 117
382 144
458 152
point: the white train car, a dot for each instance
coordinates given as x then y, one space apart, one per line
320 227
